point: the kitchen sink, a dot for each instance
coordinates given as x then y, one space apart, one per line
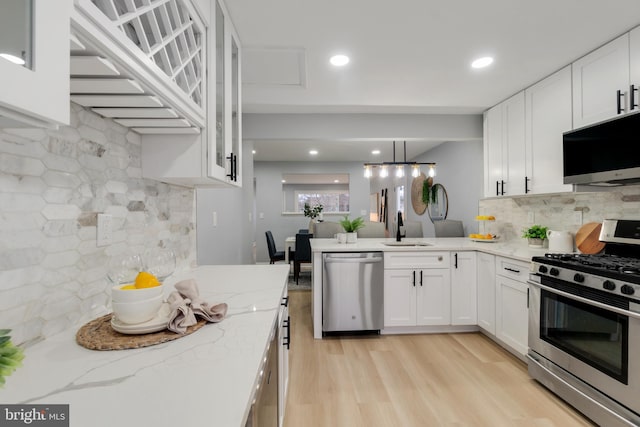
407 244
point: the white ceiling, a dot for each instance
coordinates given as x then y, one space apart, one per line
410 56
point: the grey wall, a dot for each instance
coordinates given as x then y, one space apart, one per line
231 241
460 171
269 199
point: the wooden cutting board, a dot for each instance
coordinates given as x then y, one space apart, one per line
587 238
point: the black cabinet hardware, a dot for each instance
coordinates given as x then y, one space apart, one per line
286 341
512 270
619 96
500 188
420 277
414 278
285 301
455 257
633 103
233 167
527 297
526 185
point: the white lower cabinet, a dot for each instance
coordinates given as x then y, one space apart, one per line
283 356
512 314
417 296
464 288
486 276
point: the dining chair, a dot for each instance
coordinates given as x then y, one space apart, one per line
302 253
413 229
372 229
274 255
448 228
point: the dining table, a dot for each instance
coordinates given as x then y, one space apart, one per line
289 243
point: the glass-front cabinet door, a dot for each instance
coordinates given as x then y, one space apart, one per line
236 114
225 114
34 63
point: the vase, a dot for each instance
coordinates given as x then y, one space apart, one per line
352 237
311 224
535 242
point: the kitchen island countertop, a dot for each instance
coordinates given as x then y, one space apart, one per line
207 377
516 249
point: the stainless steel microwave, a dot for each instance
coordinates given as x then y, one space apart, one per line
605 153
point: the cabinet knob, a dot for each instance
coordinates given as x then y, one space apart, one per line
440 258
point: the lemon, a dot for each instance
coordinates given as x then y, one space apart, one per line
146 280
128 287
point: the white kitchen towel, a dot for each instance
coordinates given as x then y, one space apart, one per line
186 305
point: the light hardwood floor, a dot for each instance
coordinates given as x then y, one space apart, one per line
411 380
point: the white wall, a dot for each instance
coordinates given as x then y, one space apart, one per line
269 199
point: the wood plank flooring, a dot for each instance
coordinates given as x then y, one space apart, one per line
411 380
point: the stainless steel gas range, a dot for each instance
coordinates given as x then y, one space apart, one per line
584 326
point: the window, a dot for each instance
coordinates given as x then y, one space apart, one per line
329 190
331 200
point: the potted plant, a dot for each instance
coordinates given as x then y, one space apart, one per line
10 356
351 226
536 234
313 213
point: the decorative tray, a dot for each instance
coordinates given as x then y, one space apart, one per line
495 239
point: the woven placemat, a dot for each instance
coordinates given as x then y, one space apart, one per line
99 335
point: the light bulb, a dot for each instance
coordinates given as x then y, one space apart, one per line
432 171
415 171
367 171
384 171
399 171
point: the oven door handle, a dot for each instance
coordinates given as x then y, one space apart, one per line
587 301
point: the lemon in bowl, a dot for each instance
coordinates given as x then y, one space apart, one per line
145 286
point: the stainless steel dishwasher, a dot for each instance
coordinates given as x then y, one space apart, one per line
352 291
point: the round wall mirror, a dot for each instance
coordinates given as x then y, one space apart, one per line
438 210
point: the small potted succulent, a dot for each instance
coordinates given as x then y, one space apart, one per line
536 235
351 227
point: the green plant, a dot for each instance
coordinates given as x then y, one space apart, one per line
351 226
10 355
429 191
535 232
312 212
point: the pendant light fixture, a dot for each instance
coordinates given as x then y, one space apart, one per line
399 166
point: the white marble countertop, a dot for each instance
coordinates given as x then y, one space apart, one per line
206 378
516 249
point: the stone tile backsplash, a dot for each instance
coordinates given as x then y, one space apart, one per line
53 183
557 211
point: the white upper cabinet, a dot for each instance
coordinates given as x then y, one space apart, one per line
634 69
213 157
35 93
548 115
601 83
504 148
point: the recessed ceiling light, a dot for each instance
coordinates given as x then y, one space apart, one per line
284 180
20 61
336 181
339 60
313 152
375 152
253 151
485 61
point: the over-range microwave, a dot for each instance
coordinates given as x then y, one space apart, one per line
605 153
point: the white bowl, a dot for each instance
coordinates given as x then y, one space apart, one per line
132 295
138 311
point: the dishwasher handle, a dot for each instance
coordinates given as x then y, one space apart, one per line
329 260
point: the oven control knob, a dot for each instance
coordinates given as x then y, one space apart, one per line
627 290
543 269
554 271
609 285
578 277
